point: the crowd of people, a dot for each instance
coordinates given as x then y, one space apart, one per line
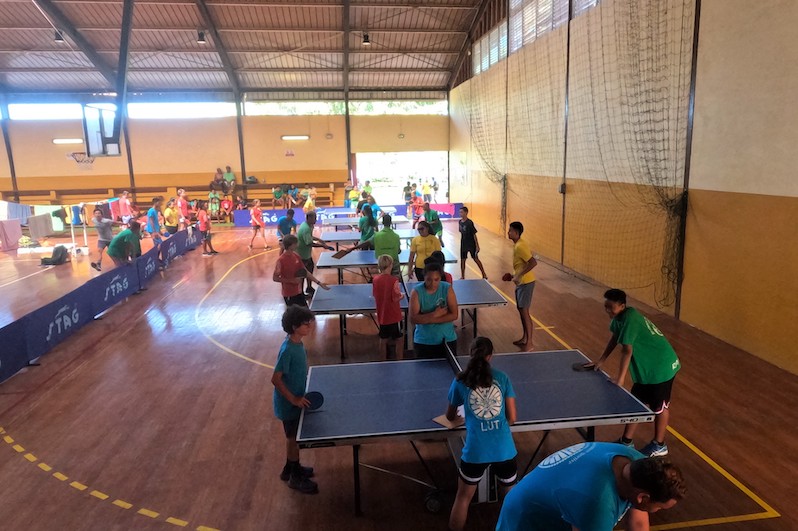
586 486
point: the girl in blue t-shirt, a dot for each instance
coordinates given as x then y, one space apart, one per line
488 402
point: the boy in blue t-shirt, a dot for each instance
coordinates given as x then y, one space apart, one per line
290 374
285 225
590 487
488 401
153 221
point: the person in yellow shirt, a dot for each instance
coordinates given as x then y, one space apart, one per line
171 217
524 279
354 196
421 247
310 203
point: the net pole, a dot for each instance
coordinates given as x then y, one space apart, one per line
72 232
85 235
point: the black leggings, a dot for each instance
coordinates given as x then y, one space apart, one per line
434 351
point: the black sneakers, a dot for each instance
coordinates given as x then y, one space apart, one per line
305 472
303 485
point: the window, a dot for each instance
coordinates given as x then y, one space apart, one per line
293 108
529 19
174 110
490 49
45 111
436 107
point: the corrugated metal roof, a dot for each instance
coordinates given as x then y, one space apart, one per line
271 44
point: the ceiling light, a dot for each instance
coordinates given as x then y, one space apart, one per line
59 37
366 41
295 137
67 140
201 37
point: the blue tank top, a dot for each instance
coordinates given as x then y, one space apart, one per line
433 334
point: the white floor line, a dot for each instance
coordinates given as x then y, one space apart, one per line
23 278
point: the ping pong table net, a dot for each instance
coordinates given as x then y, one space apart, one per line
452 359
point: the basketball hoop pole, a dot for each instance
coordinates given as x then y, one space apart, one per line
85 222
72 231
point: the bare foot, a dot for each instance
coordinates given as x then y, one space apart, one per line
462 278
520 342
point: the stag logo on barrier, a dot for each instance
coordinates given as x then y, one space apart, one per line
191 238
150 267
171 253
63 321
117 285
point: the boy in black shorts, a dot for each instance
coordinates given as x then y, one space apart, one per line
468 243
290 374
650 359
387 294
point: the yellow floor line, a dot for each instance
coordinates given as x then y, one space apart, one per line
94 493
769 512
208 336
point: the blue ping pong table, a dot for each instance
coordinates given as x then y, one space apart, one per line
365 259
351 299
353 237
347 299
378 402
352 222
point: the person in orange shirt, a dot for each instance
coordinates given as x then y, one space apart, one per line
258 226
204 225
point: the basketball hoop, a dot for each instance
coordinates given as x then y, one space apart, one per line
85 162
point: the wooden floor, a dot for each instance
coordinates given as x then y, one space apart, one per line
159 415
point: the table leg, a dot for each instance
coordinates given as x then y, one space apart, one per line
474 318
340 275
356 464
341 332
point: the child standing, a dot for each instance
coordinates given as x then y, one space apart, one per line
387 294
256 220
154 221
468 243
488 400
204 223
290 272
104 236
290 374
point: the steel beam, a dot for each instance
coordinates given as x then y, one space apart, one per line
205 13
467 43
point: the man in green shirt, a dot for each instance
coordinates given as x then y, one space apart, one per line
126 245
650 359
306 244
387 242
434 220
230 180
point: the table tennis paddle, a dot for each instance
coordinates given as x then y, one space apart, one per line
316 400
579 366
507 277
343 252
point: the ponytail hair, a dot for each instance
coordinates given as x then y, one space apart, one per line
369 215
478 372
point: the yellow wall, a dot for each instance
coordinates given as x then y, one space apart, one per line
746 119
381 133
173 153
740 266
741 278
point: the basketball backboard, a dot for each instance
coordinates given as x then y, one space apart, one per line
98 129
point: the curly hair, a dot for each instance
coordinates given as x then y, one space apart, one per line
660 478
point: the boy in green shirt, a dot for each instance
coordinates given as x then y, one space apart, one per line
436 227
651 360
